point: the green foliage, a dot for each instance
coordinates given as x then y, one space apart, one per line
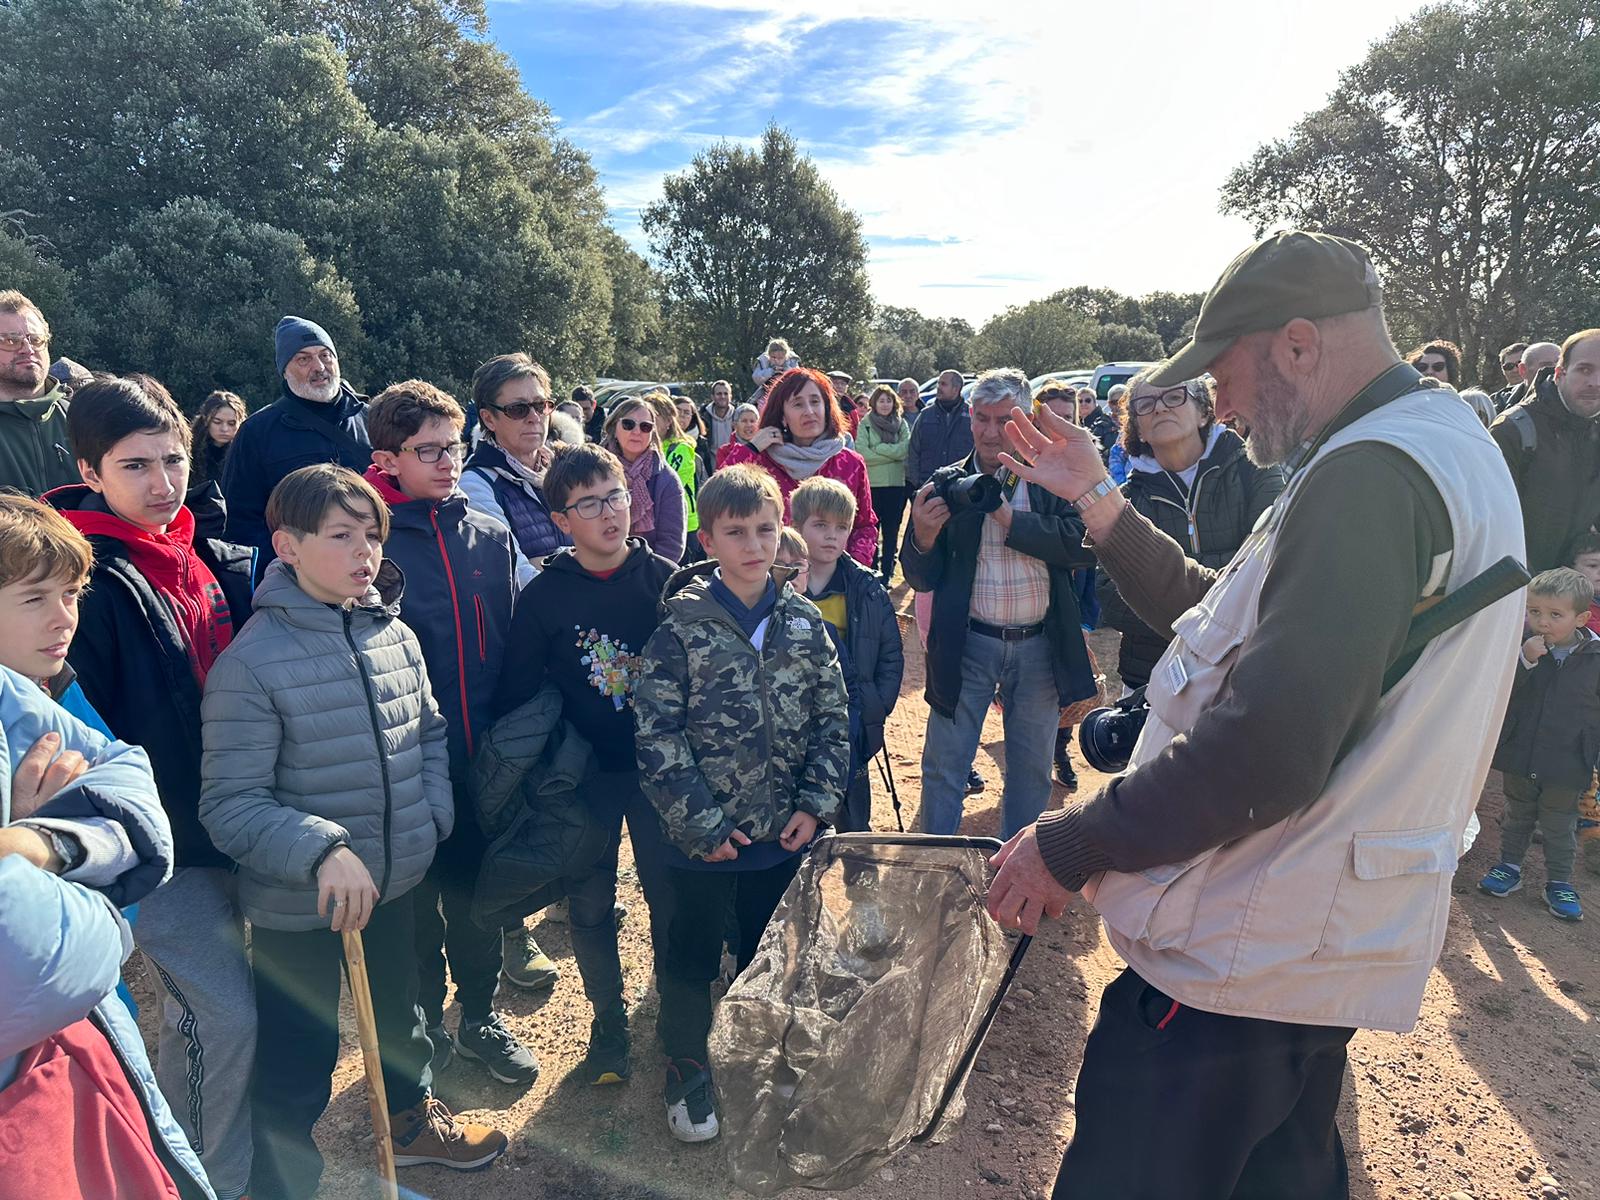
24 266
1164 313
1464 152
908 344
638 335
153 299
1040 336
754 244
1127 343
375 165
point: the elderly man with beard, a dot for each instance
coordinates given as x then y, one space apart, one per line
1275 865
318 418
34 448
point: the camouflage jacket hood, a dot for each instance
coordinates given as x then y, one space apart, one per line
731 737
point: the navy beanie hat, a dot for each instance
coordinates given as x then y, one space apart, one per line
293 335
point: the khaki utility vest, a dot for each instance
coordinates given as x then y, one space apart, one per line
1335 915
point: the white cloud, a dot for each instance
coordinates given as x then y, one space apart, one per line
1051 144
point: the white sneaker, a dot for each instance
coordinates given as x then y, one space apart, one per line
691 1112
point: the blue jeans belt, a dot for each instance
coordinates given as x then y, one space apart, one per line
1006 633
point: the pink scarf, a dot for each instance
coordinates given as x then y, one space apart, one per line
639 473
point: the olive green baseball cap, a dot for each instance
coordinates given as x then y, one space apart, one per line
1284 276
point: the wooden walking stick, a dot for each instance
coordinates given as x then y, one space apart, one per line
367 1028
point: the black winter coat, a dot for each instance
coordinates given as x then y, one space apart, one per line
534 789
1052 532
277 440
875 654
132 661
1552 728
1558 481
1229 494
461 586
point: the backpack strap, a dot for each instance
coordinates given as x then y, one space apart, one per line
1526 429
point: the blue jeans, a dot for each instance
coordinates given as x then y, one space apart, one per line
1023 674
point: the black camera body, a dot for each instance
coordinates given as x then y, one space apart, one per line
1107 735
966 493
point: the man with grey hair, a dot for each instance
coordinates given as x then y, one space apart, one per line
1275 864
1004 616
910 399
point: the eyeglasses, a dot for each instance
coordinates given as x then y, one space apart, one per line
630 425
1511 365
1434 368
432 454
518 410
12 342
1143 406
591 507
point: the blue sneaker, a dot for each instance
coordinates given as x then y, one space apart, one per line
1562 901
1502 880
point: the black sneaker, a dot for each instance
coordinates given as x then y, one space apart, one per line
492 1044
607 1060
444 1047
975 782
691 1113
1065 775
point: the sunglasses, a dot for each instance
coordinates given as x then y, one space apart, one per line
1512 365
630 425
518 410
15 341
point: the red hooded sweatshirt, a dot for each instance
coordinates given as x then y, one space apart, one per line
171 566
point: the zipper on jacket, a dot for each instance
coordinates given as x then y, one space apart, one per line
483 637
461 639
383 759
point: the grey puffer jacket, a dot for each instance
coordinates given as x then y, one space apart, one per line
320 730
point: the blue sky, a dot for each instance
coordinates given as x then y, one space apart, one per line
995 149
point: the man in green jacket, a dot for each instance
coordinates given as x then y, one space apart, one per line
34 454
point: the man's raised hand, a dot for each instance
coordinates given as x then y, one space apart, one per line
1054 453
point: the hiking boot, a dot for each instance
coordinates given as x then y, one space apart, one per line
607 1060
975 782
1562 901
691 1113
492 1044
444 1047
1502 879
430 1134
1065 775
524 964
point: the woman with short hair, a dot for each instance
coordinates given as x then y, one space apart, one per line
882 440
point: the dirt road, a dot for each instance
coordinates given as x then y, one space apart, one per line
1495 1095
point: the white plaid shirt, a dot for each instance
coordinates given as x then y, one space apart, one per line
1008 588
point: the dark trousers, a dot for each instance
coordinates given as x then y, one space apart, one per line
297 1039
445 927
1172 1101
592 895
1554 810
694 945
890 505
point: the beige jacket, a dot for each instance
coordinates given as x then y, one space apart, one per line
1336 915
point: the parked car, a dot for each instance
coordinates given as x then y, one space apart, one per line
931 386
1108 375
1077 377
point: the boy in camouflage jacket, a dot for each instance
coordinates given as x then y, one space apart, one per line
744 748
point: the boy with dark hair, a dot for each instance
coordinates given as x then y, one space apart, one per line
460 574
163 603
853 601
744 749
1547 747
1585 560
579 626
327 778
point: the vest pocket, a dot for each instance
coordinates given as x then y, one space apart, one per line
1388 902
1194 671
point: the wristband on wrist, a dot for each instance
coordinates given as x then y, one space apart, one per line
1098 492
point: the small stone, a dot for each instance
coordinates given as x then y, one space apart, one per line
1568 987
914 1159
1584 1062
1007 1102
1549 1193
1460 1149
981 1066
1548 1181
1458 1196
1022 993
887 1175
990 1175
994 1127
1524 1173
